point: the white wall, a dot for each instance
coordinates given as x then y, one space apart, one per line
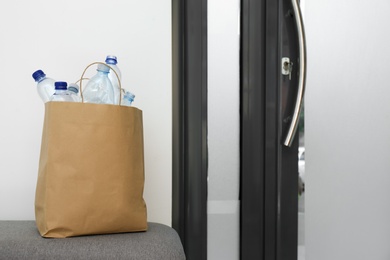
347 138
62 38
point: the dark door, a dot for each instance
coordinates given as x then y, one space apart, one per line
272 82
268 161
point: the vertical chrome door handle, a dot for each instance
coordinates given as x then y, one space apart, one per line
301 74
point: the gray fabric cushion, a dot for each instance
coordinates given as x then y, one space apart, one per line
21 240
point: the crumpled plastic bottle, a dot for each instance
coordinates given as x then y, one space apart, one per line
112 61
99 89
45 85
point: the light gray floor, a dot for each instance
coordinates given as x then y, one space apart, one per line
301 227
301 252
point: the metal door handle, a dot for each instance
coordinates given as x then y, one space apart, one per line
301 73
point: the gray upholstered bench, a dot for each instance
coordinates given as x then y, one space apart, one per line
21 240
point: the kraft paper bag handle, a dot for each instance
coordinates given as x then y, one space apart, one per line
82 78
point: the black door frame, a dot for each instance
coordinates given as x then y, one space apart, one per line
189 162
269 170
252 182
267 189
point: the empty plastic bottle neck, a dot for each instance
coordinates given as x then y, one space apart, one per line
60 92
129 96
103 68
73 89
102 72
40 79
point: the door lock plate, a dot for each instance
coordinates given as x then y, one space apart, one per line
287 67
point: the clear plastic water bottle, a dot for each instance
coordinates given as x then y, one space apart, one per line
99 88
61 92
45 85
127 98
112 61
73 90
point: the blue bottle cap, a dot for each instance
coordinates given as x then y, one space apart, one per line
111 59
37 75
60 85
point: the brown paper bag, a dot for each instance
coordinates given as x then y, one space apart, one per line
91 170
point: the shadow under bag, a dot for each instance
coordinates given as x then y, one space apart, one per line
91 171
